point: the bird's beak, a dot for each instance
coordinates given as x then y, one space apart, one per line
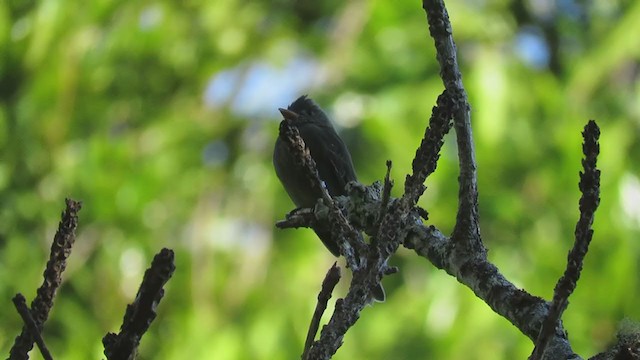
288 114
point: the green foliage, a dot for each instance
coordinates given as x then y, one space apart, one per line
112 103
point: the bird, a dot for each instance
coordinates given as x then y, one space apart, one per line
333 162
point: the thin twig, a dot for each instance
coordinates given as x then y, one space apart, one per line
141 313
43 302
590 187
428 153
297 218
21 305
384 203
386 190
328 284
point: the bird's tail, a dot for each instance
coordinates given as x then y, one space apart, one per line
325 236
377 292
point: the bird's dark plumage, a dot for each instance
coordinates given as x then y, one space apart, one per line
332 158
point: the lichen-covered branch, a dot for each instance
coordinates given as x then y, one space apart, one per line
142 312
590 188
43 302
428 153
21 306
330 281
467 229
524 310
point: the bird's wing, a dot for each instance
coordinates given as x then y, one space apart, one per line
331 155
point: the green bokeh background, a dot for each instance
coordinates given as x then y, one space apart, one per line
113 103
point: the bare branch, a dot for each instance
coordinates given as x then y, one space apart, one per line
21 305
141 313
428 153
525 311
386 190
43 302
328 284
590 188
390 227
394 221
345 315
297 218
467 228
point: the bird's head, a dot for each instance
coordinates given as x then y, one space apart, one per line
304 110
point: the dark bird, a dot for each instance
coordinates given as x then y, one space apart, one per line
333 162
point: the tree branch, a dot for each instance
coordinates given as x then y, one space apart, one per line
461 255
141 313
388 231
428 153
21 305
525 311
467 228
328 284
590 188
43 302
